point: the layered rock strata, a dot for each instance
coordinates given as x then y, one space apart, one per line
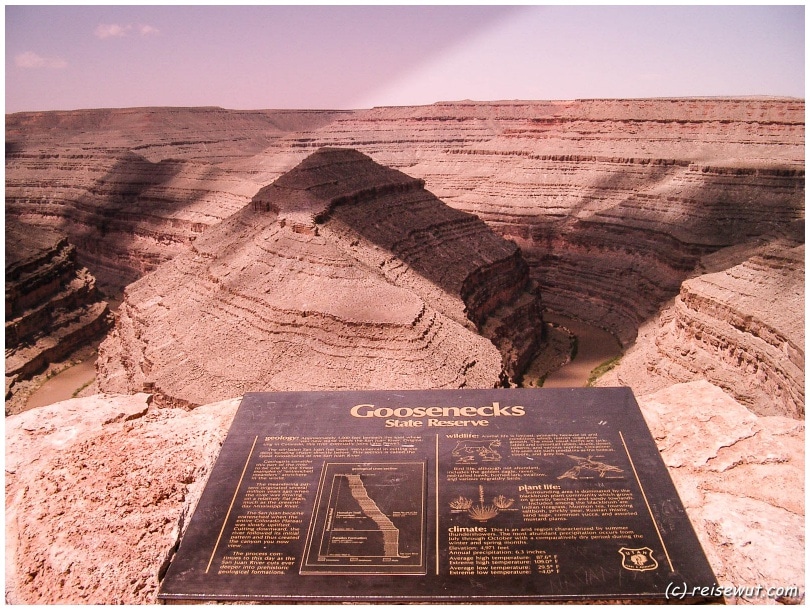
93 518
342 274
481 278
124 213
690 176
741 328
131 188
207 134
614 203
52 304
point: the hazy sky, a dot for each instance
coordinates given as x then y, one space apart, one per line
60 58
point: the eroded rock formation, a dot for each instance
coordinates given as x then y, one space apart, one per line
131 188
613 203
341 274
52 304
740 327
124 213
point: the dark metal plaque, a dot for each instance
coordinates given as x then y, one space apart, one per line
438 496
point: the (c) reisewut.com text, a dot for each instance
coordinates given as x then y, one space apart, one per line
682 591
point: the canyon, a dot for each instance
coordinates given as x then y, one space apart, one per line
739 326
252 250
613 203
52 305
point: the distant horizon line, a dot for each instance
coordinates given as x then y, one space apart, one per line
437 103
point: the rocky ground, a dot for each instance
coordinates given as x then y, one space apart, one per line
99 490
741 479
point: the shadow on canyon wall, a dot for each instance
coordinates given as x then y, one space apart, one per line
621 250
12 148
452 249
619 262
130 221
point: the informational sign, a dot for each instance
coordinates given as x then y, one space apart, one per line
438 496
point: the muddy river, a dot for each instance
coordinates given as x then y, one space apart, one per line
64 385
594 347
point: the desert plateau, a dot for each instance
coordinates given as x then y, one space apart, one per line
196 254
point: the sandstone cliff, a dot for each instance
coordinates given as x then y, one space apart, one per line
52 305
740 327
613 203
124 213
131 188
99 490
341 274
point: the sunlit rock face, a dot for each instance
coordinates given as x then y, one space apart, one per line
342 274
616 203
613 203
131 188
740 327
52 305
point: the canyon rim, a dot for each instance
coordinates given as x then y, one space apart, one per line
675 224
